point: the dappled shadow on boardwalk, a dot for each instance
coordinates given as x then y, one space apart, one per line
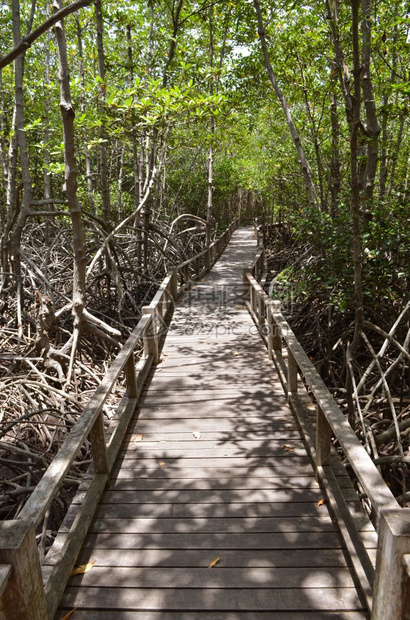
213 469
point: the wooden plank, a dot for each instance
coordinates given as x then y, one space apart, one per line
214 385
233 509
224 496
204 449
215 615
221 578
255 425
223 524
157 408
186 558
229 599
288 540
207 472
244 483
178 438
244 461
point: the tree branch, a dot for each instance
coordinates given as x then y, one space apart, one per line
28 40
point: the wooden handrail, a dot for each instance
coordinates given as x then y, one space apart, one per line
367 473
226 232
43 494
387 587
18 553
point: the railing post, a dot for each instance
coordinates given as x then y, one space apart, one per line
323 438
246 284
406 581
131 378
173 285
252 298
390 581
261 309
150 336
292 373
186 274
99 445
274 339
208 258
24 594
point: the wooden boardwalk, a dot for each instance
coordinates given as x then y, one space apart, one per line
214 467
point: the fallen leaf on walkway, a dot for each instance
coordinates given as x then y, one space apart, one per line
214 562
139 438
70 613
288 448
162 464
82 568
196 434
321 502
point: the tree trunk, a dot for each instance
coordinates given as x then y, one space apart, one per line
396 151
3 164
341 67
135 158
87 158
209 205
70 177
385 118
105 189
25 167
372 128
335 163
319 167
355 205
47 159
11 203
120 181
307 174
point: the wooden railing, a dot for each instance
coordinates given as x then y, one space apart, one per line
387 586
22 594
195 267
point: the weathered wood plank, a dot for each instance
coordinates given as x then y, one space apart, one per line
223 524
179 436
186 558
210 471
126 577
244 483
216 615
288 540
247 460
233 509
156 407
224 496
209 449
233 599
